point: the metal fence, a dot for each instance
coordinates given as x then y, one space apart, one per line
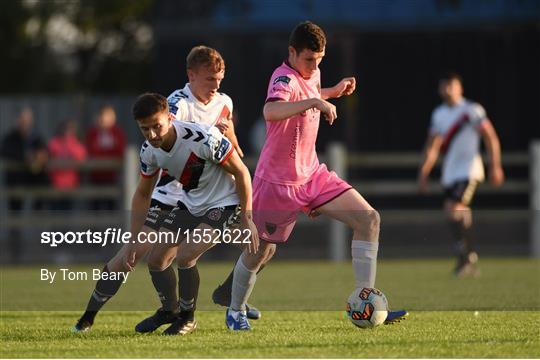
407 231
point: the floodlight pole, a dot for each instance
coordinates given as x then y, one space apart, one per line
534 150
131 173
337 161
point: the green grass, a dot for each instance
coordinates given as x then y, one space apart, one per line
321 334
303 315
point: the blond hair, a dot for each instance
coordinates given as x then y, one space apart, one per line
205 56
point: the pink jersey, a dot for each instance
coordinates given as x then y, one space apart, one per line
288 156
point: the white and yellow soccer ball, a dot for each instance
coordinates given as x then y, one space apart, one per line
367 307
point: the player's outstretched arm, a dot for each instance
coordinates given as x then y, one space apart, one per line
281 110
431 153
493 146
345 87
139 207
236 167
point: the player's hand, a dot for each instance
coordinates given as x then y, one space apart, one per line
327 109
239 150
247 223
222 126
345 87
496 176
423 184
129 258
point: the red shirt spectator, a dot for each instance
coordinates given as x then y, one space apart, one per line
66 146
105 140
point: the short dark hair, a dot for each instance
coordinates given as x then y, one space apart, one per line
452 75
307 35
149 104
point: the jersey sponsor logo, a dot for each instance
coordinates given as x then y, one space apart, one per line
189 134
294 144
222 150
283 79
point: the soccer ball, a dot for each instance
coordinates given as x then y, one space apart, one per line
367 307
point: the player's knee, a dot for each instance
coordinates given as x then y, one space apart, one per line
186 263
158 264
374 222
457 212
255 260
117 263
368 221
186 258
269 252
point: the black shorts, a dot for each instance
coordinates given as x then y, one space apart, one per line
461 191
218 218
157 213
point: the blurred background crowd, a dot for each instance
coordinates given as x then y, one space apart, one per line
71 70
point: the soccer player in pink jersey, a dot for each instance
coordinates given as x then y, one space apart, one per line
289 177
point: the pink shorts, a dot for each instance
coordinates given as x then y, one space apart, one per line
276 207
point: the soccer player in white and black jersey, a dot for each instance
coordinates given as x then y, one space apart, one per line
200 101
456 128
216 185
164 197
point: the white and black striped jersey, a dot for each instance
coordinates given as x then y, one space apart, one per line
185 106
194 162
459 126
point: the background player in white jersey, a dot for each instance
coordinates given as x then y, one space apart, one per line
217 193
200 101
456 128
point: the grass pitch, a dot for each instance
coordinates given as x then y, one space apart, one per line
496 315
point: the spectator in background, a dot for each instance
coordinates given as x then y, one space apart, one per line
24 154
65 146
105 140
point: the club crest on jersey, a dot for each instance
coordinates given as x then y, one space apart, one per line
283 79
214 214
271 228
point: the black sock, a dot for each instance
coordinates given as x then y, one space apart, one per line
188 290
165 284
463 240
104 290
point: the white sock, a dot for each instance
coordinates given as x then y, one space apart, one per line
243 283
364 260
